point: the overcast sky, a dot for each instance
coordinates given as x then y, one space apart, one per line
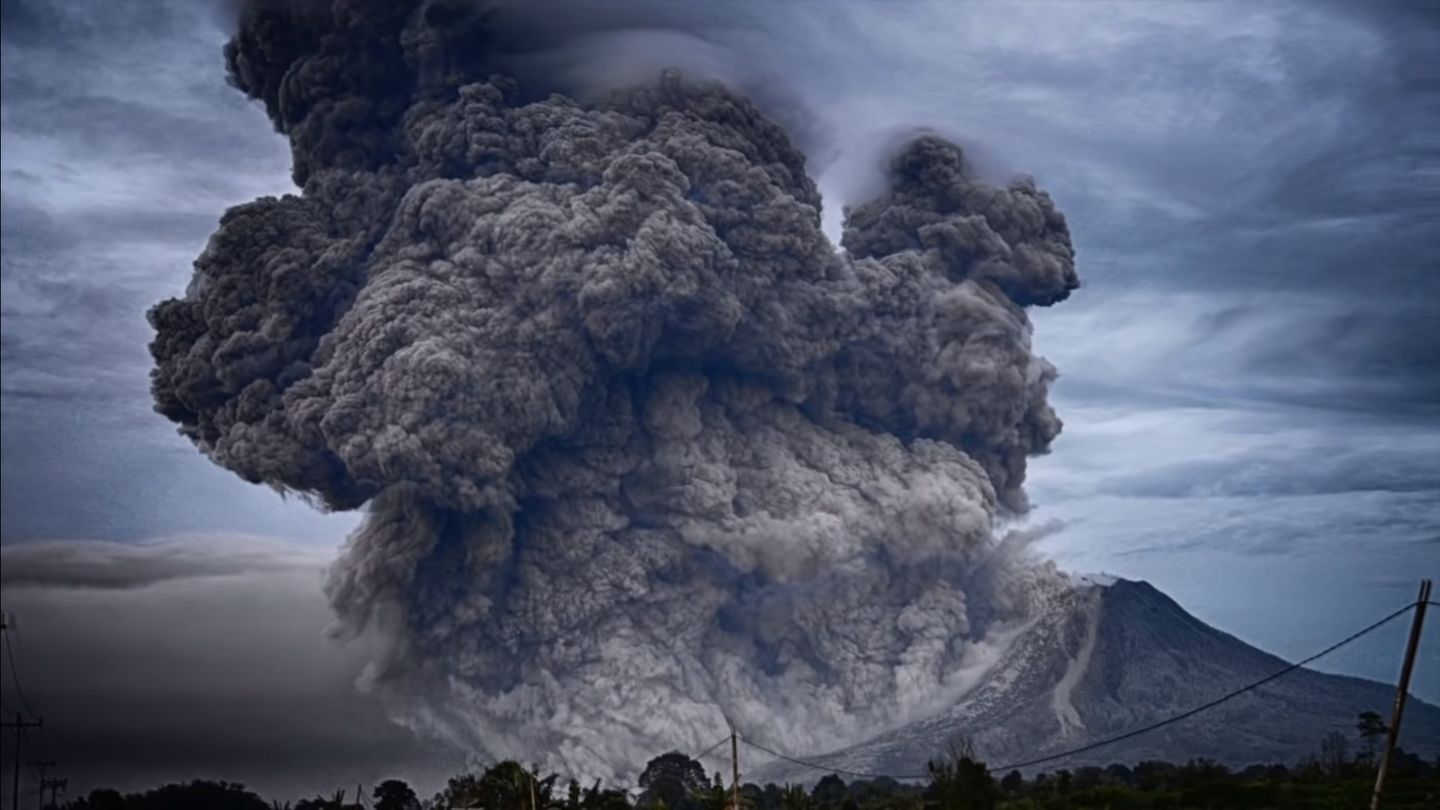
1250 375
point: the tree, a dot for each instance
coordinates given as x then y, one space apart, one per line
106 799
335 802
197 793
1154 775
393 794
1088 777
795 798
959 781
597 798
1013 783
1371 728
674 779
1120 774
830 791
714 797
504 786
1335 753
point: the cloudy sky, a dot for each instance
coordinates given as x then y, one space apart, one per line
1250 376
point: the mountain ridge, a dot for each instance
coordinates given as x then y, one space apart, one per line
1112 655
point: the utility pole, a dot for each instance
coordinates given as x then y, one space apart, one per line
19 725
1400 692
54 786
735 767
43 766
4 627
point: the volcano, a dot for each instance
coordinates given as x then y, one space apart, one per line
1111 655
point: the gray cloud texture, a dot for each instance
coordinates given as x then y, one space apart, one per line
642 448
107 565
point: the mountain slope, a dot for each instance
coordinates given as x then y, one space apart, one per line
1107 658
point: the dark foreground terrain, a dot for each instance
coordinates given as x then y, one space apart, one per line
1331 778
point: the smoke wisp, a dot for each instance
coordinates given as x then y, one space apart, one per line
641 448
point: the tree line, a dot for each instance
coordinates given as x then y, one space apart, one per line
1339 774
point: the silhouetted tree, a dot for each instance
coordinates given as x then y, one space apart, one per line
674 779
1120 774
830 791
959 782
714 797
393 794
198 793
598 798
795 798
105 799
335 802
1151 775
504 786
1335 754
1370 728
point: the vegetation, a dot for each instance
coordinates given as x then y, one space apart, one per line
1331 778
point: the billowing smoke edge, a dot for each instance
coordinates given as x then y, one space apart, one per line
641 448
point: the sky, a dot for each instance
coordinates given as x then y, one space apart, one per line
1249 381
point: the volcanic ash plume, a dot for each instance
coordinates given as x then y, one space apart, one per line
641 448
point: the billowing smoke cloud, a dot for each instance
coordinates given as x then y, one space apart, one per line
641 448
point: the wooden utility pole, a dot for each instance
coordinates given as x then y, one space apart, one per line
1401 691
43 766
735 767
19 725
54 786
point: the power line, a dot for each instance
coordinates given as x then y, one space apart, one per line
45 762
708 751
1127 735
14 675
628 788
827 769
1217 701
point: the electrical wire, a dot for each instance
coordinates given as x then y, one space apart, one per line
40 741
827 769
636 788
1119 737
15 676
708 751
1217 701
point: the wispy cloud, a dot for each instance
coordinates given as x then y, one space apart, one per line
106 564
199 657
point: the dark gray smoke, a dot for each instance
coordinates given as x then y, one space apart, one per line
641 448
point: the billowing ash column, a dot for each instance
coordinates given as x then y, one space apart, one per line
640 447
